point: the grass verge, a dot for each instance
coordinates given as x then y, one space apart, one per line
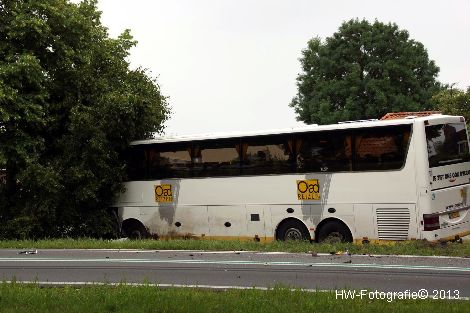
32 298
409 247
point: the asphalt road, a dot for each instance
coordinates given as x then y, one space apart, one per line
240 269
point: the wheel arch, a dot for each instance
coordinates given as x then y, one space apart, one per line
331 219
131 222
286 220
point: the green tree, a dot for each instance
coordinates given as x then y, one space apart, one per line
69 106
363 71
454 102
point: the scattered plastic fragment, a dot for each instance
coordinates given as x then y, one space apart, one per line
340 252
28 252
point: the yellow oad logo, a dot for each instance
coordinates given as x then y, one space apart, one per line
308 189
163 193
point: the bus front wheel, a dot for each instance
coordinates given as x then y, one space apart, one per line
134 230
333 232
292 230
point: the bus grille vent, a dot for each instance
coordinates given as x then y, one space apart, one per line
393 223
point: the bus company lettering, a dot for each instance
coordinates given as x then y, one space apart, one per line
452 175
163 193
308 189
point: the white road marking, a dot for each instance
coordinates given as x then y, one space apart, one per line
241 262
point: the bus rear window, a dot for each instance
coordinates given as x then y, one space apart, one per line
447 144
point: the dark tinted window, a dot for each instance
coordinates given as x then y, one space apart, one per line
324 152
378 148
158 161
381 148
268 155
136 163
447 144
170 160
216 158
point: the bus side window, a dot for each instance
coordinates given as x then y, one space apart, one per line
267 155
136 163
380 148
169 161
324 152
216 158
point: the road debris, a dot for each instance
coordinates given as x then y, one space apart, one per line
340 252
28 252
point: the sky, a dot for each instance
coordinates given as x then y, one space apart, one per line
231 65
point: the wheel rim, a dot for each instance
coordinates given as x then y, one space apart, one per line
136 234
293 234
334 237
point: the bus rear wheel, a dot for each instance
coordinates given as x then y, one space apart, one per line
292 230
333 232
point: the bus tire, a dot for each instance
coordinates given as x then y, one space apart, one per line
334 231
292 230
134 230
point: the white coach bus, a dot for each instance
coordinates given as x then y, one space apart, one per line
358 181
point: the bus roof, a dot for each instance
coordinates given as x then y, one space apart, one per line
306 128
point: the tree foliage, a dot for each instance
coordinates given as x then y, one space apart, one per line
363 71
69 106
454 102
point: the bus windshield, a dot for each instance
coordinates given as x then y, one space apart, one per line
447 144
